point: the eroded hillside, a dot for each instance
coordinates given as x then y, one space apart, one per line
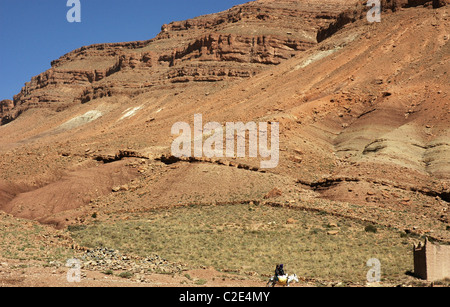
364 112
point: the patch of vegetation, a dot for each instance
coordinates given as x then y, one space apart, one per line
371 228
73 228
22 240
237 239
201 282
126 275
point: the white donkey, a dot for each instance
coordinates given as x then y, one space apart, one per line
284 281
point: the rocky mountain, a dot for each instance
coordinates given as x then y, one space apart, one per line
232 45
363 110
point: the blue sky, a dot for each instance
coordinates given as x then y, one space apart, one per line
35 32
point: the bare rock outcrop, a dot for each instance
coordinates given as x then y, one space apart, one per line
235 44
5 107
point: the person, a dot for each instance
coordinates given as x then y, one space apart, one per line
279 271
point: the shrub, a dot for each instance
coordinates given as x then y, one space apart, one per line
371 228
200 282
188 276
126 275
73 228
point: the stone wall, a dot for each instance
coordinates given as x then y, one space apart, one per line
431 261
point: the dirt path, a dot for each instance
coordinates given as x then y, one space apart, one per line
32 274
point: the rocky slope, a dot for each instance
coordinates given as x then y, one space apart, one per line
232 45
363 110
